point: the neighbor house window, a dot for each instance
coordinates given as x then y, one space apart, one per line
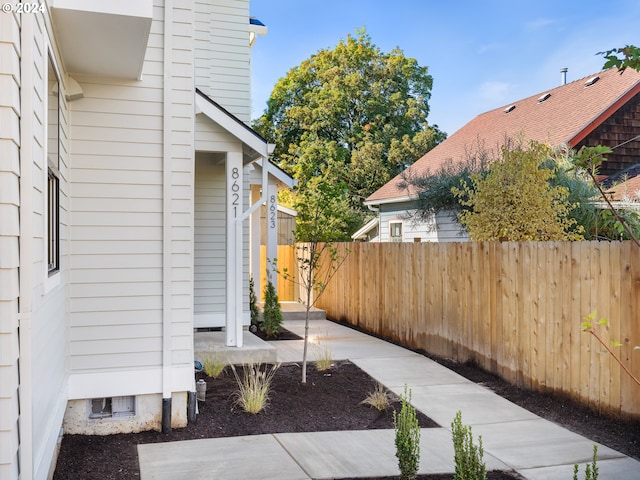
395 231
109 407
53 165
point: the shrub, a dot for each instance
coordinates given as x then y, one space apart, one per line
254 386
469 463
591 470
407 438
378 399
212 365
271 314
253 306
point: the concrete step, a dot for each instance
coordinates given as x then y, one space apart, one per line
253 350
297 311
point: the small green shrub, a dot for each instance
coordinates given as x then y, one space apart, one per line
407 438
254 386
378 399
212 365
469 463
591 470
271 314
253 305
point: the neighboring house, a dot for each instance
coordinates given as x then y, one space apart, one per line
601 109
126 166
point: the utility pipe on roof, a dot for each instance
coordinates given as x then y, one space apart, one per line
563 72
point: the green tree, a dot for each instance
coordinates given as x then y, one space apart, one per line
622 58
515 200
319 223
352 113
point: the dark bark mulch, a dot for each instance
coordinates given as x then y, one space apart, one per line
283 335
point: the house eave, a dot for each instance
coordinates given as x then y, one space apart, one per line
604 115
249 137
366 228
384 201
103 39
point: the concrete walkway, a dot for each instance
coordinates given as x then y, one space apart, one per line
513 438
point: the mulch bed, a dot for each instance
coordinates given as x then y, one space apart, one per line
284 334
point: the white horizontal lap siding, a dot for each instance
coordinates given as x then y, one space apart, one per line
44 355
223 54
449 229
115 292
182 179
210 237
442 228
9 232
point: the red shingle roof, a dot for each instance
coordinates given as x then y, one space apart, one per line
568 115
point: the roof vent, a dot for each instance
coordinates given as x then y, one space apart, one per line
544 97
510 108
591 81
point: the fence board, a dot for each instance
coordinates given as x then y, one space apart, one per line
514 307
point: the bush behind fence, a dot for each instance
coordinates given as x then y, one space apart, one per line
514 308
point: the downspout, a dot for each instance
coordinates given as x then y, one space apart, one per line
26 252
166 218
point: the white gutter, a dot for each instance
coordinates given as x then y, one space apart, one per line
384 201
26 251
166 219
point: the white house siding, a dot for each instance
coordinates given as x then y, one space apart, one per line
210 277
445 229
117 188
210 241
222 52
49 308
9 231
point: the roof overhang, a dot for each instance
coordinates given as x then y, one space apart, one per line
366 228
283 179
256 27
249 137
384 201
103 38
604 115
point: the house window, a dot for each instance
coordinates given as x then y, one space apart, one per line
53 165
395 231
112 407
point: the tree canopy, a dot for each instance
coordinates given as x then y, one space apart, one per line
352 113
515 201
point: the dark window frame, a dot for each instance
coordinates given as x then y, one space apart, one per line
53 172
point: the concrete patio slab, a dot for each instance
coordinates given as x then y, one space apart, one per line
326 455
617 468
537 443
413 370
237 458
478 404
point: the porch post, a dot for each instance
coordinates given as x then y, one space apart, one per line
272 231
234 184
256 242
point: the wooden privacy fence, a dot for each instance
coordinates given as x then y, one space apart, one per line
514 308
287 290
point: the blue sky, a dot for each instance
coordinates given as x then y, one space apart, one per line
481 54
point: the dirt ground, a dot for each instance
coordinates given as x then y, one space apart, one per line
329 401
